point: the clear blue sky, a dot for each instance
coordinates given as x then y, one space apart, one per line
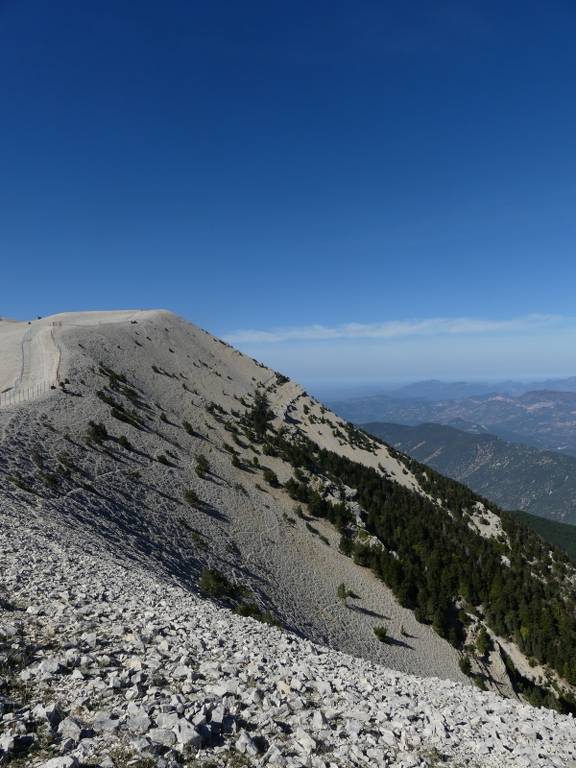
258 166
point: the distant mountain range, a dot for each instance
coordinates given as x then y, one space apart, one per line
544 419
514 476
434 389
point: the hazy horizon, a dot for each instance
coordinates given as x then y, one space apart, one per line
333 389
471 350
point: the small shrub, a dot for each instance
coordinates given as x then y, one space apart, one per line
127 417
271 477
162 459
114 378
254 612
259 417
381 633
484 642
198 540
36 457
312 529
191 497
346 546
479 682
202 465
465 665
189 428
96 433
50 481
106 398
215 584
21 482
237 440
316 532
123 442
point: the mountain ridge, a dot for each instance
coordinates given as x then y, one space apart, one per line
170 451
512 475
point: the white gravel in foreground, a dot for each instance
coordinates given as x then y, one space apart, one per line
128 667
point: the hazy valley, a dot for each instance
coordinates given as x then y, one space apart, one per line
513 475
544 419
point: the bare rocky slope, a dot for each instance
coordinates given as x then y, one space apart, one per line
128 478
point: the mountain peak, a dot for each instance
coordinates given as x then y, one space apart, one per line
136 443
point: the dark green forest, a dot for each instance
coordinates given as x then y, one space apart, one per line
561 535
437 565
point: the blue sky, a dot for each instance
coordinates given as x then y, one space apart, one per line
266 168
